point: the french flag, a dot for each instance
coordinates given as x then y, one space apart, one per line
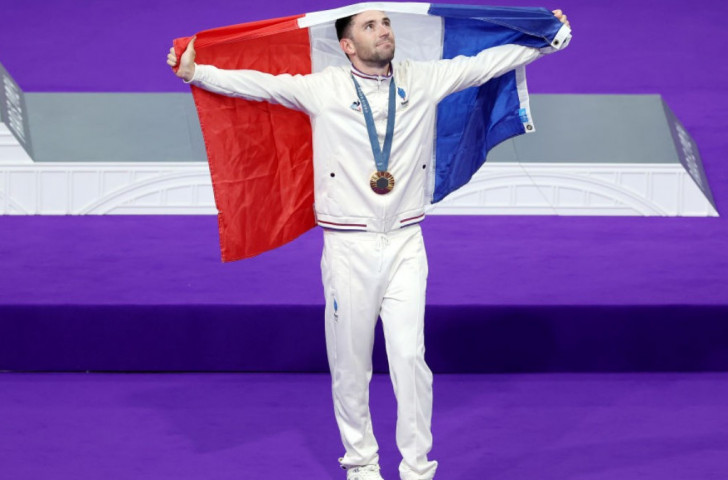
260 154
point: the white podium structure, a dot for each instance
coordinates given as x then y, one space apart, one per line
121 153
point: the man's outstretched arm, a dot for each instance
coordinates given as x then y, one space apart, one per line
291 91
455 74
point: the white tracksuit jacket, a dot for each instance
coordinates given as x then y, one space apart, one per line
343 159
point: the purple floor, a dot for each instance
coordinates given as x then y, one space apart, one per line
255 426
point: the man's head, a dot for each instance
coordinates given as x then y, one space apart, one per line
366 38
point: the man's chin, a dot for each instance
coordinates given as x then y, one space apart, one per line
386 56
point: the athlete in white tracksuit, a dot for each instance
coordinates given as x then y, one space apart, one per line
374 263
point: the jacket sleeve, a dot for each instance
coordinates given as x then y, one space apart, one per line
463 71
452 75
292 91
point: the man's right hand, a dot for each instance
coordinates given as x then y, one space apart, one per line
186 68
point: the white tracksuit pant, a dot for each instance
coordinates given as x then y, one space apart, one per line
367 275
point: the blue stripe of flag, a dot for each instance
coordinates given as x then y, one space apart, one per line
471 122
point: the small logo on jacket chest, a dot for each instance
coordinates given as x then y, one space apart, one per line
404 100
403 95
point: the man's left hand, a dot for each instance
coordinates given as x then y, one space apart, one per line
562 17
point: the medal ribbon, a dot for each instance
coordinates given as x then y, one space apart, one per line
381 155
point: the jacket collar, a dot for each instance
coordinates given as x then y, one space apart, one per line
359 73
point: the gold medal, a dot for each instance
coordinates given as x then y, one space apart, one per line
381 182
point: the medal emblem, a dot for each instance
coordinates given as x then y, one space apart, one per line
382 182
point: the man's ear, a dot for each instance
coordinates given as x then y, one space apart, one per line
347 46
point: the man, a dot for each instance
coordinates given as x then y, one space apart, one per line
377 117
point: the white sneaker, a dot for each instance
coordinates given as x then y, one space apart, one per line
365 472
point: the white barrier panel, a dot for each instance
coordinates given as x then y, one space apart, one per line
497 189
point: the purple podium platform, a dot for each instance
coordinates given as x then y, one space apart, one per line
519 294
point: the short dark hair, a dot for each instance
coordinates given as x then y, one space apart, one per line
342 26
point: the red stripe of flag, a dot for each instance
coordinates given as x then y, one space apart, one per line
261 157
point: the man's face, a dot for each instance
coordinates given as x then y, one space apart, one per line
371 39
